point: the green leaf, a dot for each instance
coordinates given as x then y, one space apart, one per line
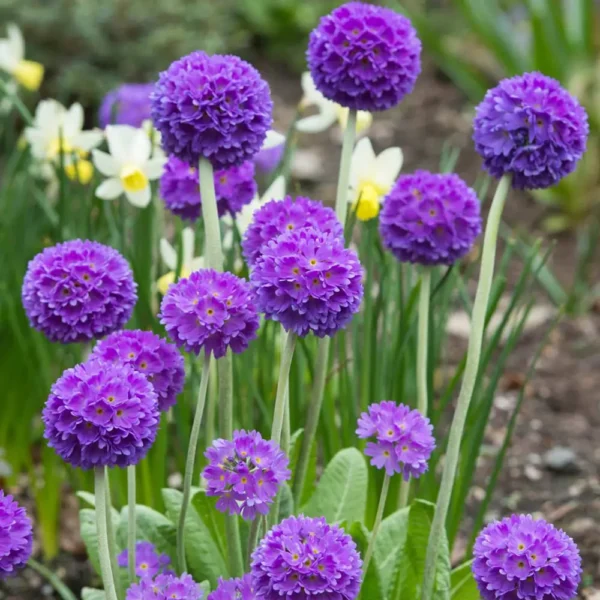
214 519
462 583
341 494
204 557
286 505
371 586
89 535
92 594
89 499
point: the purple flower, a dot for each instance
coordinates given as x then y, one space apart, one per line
101 414
267 160
150 355
165 587
233 589
211 311
364 57
530 127
129 104
77 291
16 536
179 187
404 440
245 474
216 107
148 563
280 216
308 281
303 557
520 558
430 218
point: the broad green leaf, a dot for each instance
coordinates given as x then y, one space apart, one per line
204 558
371 586
92 594
341 494
89 535
213 519
462 583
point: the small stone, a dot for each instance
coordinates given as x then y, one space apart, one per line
561 459
580 526
532 473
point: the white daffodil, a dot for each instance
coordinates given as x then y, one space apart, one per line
57 131
189 264
28 73
371 177
128 167
328 111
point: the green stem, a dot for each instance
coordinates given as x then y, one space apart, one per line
312 418
189 464
423 341
112 540
282 384
234 545
404 493
225 396
253 538
341 199
131 534
468 384
103 544
210 215
61 589
380 508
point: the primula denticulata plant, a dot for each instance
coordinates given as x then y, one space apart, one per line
291 340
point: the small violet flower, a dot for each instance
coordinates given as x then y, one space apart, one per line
148 563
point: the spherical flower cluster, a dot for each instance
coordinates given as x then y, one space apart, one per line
522 558
165 587
78 290
364 57
101 414
149 354
308 281
16 536
404 440
148 563
129 104
179 188
531 128
303 557
290 214
233 589
430 218
210 311
245 474
216 107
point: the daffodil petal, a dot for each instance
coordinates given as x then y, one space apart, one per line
362 162
109 189
119 141
387 167
73 121
168 254
316 123
140 199
105 163
154 167
16 42
86 140
140 148
272 140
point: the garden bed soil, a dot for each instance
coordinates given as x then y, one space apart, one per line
561 411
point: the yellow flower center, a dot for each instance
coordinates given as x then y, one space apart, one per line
29 74
363 118
60 146
166 280
368 199
81 171
133 179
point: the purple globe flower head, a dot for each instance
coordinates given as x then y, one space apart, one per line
216 107
364 57
266 160
531 128
165 587
210 311
521 558
129 104
403 438
148 563
16 536
304 557
308 281
430 218
149 354
179 187
78 291
245 473
233 589
101 414
290 214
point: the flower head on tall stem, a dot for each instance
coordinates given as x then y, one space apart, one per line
148 562
364 57
302 557
129 104
216 107
523 558
78 291
16 538
165 587
403 438
245 474
531 128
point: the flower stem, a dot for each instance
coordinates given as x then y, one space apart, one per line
189 464
112 540
280 399
341 199
225 395
404 494
253 537
61 589
210 215
468 385
131 533
380 508
103 544
312 417
422 342
234 545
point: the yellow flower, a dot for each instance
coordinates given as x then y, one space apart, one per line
27 73
81 171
